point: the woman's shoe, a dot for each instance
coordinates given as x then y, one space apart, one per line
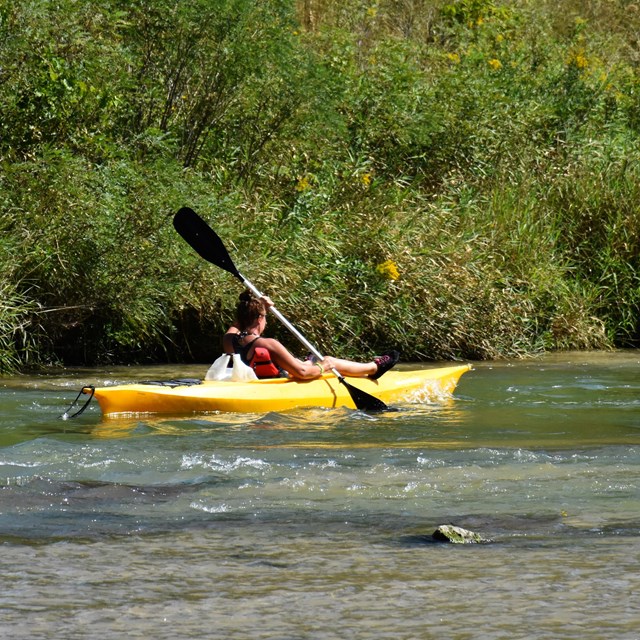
385 362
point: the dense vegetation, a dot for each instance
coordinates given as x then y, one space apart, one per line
453 178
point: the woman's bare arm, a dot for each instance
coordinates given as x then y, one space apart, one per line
303 370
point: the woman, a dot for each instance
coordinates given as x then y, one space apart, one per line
267 356
234 329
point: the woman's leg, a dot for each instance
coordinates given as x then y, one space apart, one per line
350 368
378 367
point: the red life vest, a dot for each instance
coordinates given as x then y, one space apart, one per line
262 364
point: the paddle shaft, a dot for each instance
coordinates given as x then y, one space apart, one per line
361 399
286 323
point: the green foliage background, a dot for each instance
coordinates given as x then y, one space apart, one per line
484 152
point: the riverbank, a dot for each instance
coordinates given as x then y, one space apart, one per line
462 183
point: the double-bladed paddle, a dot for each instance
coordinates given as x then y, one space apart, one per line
206 242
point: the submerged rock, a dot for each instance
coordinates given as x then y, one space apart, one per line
456 535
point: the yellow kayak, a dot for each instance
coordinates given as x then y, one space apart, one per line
277 394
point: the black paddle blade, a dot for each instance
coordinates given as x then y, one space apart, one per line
204 240
362 400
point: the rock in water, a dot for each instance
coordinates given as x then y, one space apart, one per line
456 535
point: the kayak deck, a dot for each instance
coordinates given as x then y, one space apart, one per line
278 394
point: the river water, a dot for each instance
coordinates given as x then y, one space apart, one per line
317 524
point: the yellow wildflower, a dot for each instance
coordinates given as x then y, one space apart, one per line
366 179
389 270
454 57
581 61
495 64
372 12
303 184
577 59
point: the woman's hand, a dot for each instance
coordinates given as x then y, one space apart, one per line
328 363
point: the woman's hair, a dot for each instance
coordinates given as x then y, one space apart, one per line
249 309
